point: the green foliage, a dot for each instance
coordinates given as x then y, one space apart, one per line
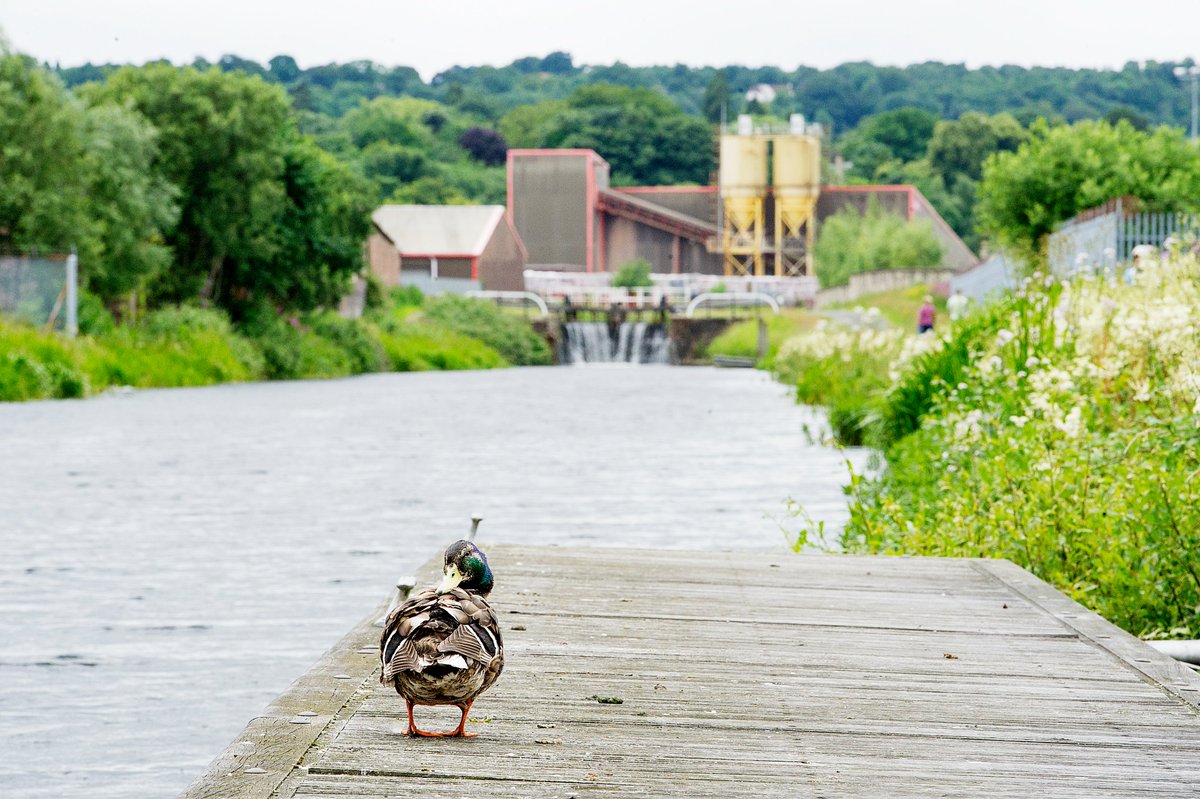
850 242
740 339
899 135
406 297
645 138
1056 427
363 352
513 338
633 275
94 318
419 346
37 366
41 176
1061 171
843 369
263 214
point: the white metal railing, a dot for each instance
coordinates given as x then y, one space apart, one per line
594 287
736 299
524 296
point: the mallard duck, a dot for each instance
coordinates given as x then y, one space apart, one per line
443 646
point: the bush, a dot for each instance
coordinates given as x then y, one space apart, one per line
419 347
508 335
1059 427
364 354
174 346
94 318
850 242
633 275
407 297
38 366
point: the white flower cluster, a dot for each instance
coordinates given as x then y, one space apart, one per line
829 339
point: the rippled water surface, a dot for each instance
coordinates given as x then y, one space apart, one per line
172 560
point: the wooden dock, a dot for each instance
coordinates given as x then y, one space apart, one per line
751 675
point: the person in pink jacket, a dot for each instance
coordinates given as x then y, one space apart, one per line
926 315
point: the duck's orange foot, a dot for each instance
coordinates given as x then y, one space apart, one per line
412 727
413 732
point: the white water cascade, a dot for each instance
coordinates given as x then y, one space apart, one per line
596 342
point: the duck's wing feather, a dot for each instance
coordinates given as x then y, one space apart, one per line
454 623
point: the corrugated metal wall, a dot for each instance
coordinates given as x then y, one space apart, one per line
549 208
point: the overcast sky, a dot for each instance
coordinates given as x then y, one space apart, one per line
434 34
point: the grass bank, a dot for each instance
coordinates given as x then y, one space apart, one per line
187 346
1058 427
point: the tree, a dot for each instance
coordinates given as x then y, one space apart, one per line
284 69
1063 170
42 185
387 119
959 147
262 217
644 137
633 275
318 235
484 144
851 242
131 207
80 177
716 97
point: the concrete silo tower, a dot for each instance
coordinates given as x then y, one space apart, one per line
794 155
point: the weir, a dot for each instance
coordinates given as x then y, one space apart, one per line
605 342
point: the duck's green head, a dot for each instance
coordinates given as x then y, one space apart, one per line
467 568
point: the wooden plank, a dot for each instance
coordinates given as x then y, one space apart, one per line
748 674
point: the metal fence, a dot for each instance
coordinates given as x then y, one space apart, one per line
40 290
1104 237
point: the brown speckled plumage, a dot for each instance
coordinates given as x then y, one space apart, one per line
442 648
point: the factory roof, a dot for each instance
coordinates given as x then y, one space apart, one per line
446 230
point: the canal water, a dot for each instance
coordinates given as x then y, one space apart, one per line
173 559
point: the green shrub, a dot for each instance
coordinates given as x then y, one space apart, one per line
406 297
364 353
1058 427
174 346
740 339
418 347
851 242
94 318
633 275
512 337
34 365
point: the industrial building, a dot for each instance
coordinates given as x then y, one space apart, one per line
760 220
446 248
562 215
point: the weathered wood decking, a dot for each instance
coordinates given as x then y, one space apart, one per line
752 675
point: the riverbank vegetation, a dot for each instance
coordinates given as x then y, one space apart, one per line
851 242
192 346
1058 427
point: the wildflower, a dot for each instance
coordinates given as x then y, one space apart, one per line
1004 336
1031 362
1019 421
1072 425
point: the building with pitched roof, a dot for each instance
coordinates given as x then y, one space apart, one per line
446 248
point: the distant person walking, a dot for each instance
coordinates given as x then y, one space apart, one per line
925 316
957 305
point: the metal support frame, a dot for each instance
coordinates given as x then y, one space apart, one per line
794 224
743 236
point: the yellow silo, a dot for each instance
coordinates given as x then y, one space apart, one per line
743 186
797 183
